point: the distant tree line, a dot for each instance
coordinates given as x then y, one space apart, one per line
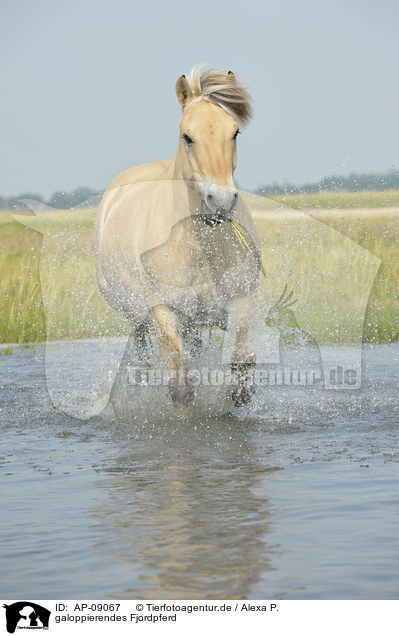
81 197
85 197
352 183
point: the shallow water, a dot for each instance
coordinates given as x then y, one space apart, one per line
297 499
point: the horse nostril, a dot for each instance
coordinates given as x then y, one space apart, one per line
209 200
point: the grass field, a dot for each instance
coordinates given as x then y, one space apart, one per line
48 286
328 200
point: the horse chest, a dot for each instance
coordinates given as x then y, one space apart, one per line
196 270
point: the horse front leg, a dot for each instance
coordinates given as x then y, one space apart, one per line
167 329
243 361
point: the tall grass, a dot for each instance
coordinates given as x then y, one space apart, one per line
48 285
344 294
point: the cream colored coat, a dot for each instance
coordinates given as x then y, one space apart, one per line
157 259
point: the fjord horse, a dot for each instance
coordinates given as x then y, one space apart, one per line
175 242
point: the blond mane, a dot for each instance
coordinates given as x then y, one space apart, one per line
216 87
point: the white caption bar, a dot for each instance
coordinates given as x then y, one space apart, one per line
175 617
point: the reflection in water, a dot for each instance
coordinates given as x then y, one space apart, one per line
189 507
182 507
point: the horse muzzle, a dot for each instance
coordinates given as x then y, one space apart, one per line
218 203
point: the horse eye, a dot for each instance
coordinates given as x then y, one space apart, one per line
237 132
187 139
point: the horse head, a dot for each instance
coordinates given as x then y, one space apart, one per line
214 106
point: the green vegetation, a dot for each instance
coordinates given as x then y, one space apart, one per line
48 281
48 286
328 272
354 182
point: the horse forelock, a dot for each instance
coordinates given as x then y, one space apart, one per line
213 86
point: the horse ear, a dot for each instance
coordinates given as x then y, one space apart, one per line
231 77
183 90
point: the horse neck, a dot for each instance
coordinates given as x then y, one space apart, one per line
178 167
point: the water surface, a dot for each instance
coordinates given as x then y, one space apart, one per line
296 500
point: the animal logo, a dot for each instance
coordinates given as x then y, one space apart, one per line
25 614
296 346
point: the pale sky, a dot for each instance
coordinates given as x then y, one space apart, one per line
88 86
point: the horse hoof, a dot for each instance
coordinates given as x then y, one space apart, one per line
181 394
243 395
243 374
